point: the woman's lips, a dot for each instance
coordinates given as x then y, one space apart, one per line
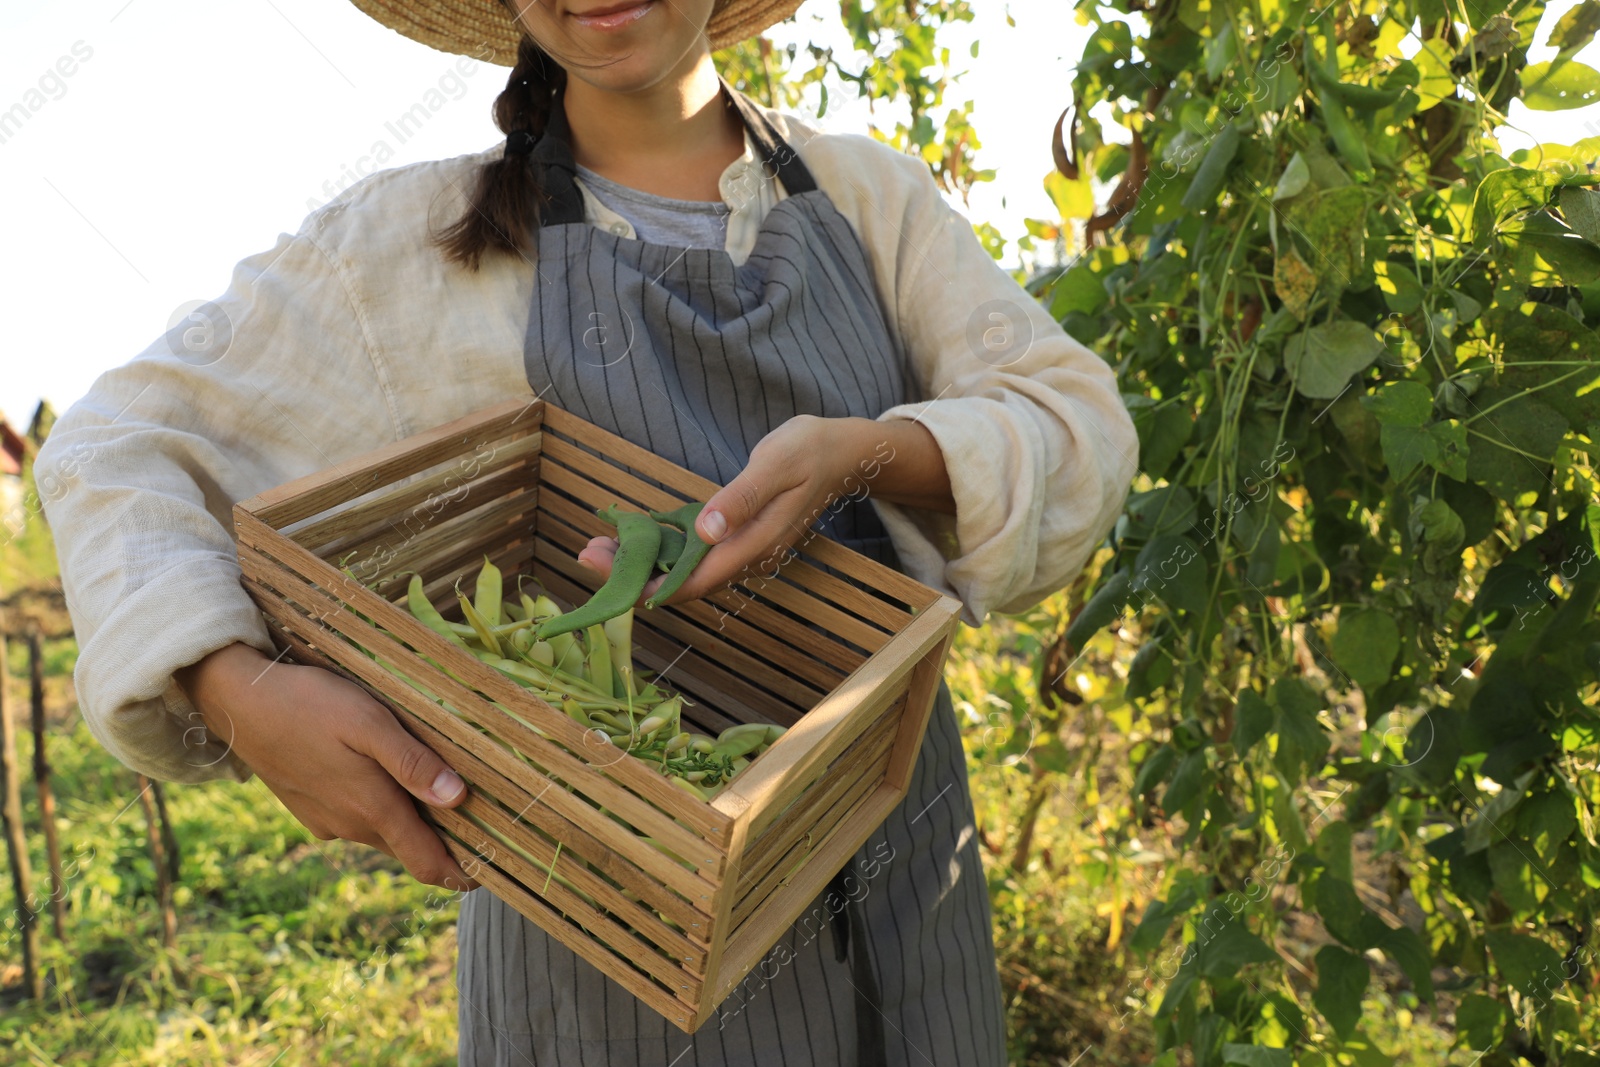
614 16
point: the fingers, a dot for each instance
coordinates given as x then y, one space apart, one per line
774 468
753 549
417 768
416 844
599 554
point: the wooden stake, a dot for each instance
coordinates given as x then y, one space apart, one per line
152 835
47 796
16 842
169 839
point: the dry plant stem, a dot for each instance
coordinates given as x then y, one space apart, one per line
16 842
41 777
152 835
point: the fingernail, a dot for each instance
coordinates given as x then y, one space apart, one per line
447 786
713 525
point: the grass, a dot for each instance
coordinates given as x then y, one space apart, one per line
296 951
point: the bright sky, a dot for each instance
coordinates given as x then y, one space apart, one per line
190 133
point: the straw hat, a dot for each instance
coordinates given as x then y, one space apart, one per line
486 30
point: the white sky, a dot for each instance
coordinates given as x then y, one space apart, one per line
197 131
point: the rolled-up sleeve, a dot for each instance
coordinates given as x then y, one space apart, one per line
1038 444
139 477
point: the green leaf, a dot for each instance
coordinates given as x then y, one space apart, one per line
1220 52
1207 183
1401 290
1163 431
1559 85
1406 947
1436 523
1079 289
1252 718
1450 458
1332 847
1580 206
1562 361
1512 444
1102 608
1158 916
1365 646
1163 510
1405 448
1490 824
1172 568
1321 359
1186 782
1551 816
1532 967
1231 948
1433 747
1257 1056
1400 404
1517 881
1540 236
1576 28
1342 978
1295 177
1302 742
1154 771
1478 1021
1345 917
1505 192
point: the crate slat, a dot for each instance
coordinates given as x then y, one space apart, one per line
844 651
690 486
789 864
392 539
833 723
343 482
782 909
612 836
856 770
744 667
785 646
608 789
777 591
514 464
619 968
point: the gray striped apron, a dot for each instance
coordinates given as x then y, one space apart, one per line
696 358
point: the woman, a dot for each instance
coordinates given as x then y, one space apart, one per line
741 292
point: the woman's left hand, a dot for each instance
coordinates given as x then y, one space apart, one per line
794 475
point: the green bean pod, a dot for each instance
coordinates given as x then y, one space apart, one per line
694 550
485 632
639 538
488 592
672 542
423 611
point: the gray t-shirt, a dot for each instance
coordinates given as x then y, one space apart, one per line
662 220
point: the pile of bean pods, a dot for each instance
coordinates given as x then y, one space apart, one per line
584 665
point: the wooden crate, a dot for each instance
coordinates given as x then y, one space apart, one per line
842 650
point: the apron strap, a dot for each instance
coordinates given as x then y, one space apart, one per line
564 202
777 157
850 930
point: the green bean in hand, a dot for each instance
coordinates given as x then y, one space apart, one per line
638 540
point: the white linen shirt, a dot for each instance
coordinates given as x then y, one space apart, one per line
354 332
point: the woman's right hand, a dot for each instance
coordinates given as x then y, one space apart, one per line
335 757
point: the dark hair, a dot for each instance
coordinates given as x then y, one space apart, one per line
504 208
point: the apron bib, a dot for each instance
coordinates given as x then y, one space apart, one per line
696 359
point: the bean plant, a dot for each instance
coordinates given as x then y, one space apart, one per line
1359 565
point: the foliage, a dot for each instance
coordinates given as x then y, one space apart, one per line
1359 566
897 58
290 950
